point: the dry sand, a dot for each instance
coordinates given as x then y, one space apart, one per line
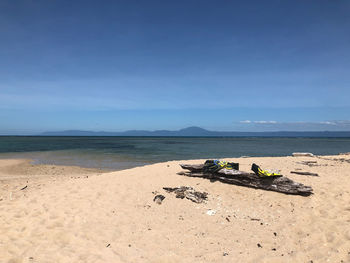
72 214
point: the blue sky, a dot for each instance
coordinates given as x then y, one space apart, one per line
222 65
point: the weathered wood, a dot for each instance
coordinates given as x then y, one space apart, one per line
304 173
199 168
193 167
302 154
309 163
188 192
278 184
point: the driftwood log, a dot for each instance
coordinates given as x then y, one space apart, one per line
303 155
278 184
304 173
309 163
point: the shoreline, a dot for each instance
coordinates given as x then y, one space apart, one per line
84 215
44 168
16 169
122 153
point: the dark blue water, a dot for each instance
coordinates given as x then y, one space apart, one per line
126 152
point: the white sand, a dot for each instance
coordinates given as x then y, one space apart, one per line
111 217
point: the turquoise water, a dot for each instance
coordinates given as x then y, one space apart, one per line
127 152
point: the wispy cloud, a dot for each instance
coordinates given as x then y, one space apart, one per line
265 122
340 122
329 125
258 122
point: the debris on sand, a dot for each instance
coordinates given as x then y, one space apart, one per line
188 192
159 199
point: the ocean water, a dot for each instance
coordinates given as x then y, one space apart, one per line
125 152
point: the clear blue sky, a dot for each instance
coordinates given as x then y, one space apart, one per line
222 65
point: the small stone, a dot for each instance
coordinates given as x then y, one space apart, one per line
159 199
211 212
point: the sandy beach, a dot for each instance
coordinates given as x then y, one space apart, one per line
72 214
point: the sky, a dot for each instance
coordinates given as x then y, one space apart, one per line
222 65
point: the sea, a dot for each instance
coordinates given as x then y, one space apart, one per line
117 153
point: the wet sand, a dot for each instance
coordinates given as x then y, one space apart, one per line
73 214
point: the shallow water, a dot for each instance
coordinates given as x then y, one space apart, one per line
126 152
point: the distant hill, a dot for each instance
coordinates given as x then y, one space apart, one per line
200 132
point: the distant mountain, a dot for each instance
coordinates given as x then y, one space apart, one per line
190 131
200 132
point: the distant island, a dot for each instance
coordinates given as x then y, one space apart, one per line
200 132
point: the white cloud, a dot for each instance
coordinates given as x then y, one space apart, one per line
300 123
246 121
327 123
342 122
265 122
258 122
